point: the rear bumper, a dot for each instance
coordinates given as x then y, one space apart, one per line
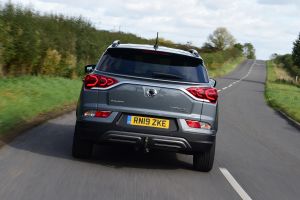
179 141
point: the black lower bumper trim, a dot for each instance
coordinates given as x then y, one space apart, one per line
147 140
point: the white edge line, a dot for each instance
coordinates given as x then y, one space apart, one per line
236 186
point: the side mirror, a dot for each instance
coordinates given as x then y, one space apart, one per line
212 82
89 68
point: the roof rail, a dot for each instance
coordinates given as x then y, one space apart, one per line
115 43
194 52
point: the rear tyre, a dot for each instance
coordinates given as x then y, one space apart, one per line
81 149
203 161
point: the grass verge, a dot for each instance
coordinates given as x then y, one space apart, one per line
226 68
23 99
282 96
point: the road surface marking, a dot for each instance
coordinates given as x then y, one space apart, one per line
231 84
236 186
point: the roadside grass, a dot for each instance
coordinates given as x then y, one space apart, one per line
225 68
282 96
23 98
282 74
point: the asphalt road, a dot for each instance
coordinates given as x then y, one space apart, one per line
257 156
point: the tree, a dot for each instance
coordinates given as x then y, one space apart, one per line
208 48
2 37
221 39
239 46
51 62
296 52
249 50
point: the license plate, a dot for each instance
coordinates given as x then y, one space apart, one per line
148 122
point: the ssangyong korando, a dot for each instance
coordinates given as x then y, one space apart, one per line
150 97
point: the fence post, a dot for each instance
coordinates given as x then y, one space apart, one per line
296 79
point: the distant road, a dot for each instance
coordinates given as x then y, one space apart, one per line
257 157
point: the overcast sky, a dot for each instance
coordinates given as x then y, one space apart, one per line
271 25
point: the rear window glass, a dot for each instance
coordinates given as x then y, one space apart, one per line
153 64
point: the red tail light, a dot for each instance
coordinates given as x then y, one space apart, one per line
95 80
209 94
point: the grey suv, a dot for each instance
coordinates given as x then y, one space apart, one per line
150 97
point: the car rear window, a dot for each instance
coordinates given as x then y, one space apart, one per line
153 64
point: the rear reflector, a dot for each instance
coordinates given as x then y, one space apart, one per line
197 124
193 124
99 114
102 114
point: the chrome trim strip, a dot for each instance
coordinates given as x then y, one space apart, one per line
170 141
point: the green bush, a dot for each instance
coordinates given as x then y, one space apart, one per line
51 62
286 61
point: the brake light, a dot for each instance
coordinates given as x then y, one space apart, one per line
95 80
100 114
197 124
204 93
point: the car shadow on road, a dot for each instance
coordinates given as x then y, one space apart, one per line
55 139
